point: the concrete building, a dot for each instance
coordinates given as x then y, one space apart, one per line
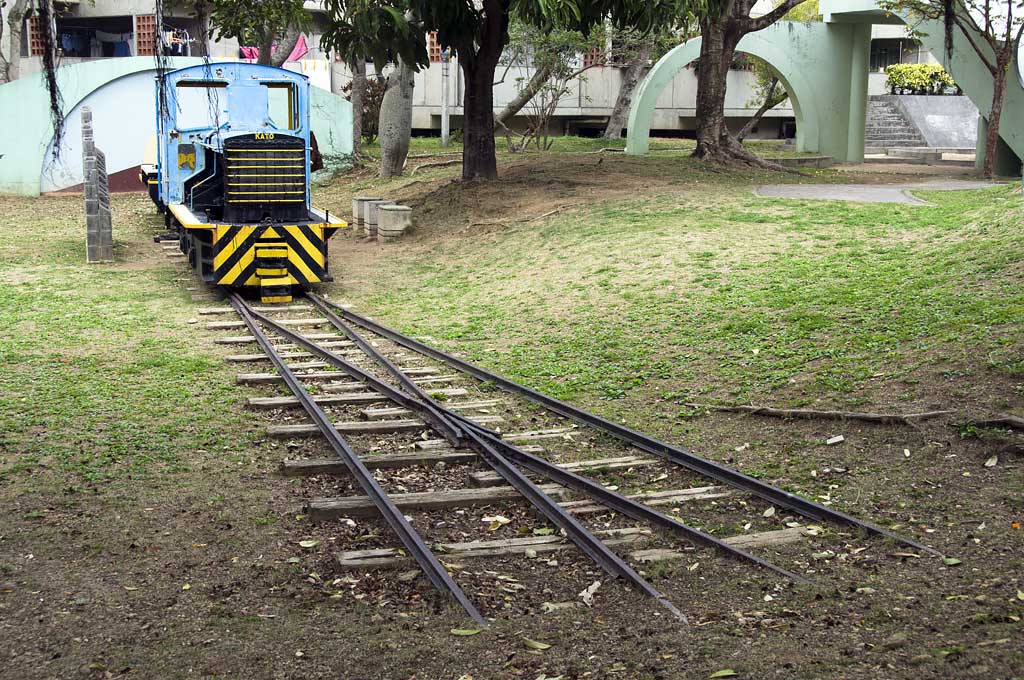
112 29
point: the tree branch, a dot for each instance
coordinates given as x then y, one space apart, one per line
768 19
812 414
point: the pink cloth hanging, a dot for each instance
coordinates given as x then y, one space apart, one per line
251 53
300 49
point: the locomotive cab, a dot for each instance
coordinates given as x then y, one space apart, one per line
232 172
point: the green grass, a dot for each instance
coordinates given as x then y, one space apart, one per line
716 290
102 378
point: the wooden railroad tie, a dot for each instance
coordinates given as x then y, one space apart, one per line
209 311
559 433
389 558
490 478
321 509
263 378
348 352
398 412
332 399
334 466
364 427
233 325
356 506
316 337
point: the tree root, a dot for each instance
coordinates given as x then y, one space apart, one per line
1001 422
813 414
439 164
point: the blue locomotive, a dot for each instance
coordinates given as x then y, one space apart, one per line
232 177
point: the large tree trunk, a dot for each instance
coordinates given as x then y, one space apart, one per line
266 48
15 24
479 159
771 100
717 48
358 98
396 121
537 81
636 71
719 37
284 48
992 137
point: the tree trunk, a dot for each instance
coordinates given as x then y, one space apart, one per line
15 24
537 81
992 138
396 121
358 98
717 48
266 47
636 70
770 102
284 48
479 158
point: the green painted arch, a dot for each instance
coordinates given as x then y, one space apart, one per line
765 45
28 132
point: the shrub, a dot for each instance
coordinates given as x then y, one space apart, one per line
375 88
918 79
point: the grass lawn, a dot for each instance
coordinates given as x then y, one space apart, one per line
145 535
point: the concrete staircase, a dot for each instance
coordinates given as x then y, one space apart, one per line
887 128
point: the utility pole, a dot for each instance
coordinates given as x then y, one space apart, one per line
446 59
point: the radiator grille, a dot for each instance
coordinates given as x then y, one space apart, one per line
265 178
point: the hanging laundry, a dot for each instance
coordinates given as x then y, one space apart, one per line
299 50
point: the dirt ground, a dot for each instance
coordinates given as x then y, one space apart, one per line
200 574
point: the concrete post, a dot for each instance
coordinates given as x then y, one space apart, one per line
359 221
370 210
860 59
99 237
392 222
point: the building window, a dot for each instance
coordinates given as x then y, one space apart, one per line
888 51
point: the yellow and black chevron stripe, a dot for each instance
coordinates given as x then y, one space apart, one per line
245 254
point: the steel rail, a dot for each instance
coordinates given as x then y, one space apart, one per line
555 513
703 466
412 541
622 504
598 493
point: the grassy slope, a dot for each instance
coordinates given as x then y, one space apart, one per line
127 468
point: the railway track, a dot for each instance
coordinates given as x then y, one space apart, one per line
379 404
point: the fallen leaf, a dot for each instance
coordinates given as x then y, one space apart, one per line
951 561
546 531
770 512
1020 594
991 462
187 586
533 644
724 673
308 544
464 632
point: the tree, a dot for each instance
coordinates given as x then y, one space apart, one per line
554 56
260 23
10 66
637 51
722 25
358 99
476 31
993 29
396 120
769 91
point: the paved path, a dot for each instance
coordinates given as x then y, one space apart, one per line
868 193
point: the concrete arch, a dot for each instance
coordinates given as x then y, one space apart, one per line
759 45
26 138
